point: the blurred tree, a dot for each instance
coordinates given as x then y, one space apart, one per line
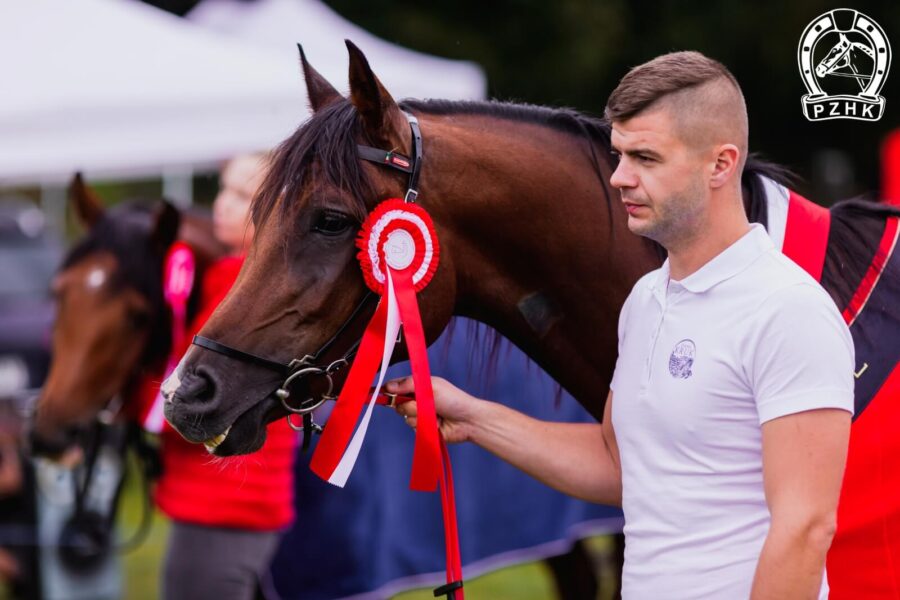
573 52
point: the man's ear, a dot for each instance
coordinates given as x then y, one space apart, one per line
725 168
383 121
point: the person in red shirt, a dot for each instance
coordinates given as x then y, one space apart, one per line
227 515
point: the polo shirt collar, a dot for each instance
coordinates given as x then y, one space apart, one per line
728 263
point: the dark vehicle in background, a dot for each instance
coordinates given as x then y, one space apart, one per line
29 255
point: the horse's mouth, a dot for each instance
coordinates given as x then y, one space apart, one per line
214 442
248 431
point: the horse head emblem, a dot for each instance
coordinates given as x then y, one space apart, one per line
855 47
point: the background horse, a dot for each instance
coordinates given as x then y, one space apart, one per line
533 243
112 324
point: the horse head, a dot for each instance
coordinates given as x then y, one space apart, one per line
111 317
301 282
836 57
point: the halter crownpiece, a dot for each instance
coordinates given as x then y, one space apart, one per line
389 158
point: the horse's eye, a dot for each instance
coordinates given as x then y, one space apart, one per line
331 223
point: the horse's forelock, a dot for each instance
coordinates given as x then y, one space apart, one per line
124 232
328 140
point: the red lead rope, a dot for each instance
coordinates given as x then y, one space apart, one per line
454 586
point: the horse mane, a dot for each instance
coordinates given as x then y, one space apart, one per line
329 135
856 229
332 133
755 169
124 231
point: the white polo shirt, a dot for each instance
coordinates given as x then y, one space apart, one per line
703 363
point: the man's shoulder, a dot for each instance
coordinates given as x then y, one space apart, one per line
777 277
786 297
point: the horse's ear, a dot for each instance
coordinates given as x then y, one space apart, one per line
382 118
165 227
85 201
320 92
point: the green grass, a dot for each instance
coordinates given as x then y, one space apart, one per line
531 581
142 566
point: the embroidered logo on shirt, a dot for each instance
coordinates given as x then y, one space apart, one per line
682 359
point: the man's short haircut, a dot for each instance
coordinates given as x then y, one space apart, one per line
703 96
648 83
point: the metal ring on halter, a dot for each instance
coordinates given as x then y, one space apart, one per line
291 424
283 393
305 408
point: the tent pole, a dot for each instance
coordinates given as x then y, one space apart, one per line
178 185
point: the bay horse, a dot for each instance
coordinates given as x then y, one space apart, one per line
112 323
533 239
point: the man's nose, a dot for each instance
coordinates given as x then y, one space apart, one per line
623 176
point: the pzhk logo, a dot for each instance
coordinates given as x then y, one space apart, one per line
844 59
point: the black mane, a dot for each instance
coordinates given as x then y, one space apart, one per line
125 232
567 120
857 226
331 135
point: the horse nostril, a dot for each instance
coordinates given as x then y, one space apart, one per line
198 387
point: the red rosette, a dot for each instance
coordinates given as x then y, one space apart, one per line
399 235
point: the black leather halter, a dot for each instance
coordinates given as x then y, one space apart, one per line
309 365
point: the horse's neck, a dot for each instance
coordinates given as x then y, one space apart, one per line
541 253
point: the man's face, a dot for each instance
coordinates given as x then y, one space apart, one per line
661 178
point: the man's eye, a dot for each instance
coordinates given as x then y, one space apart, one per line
331 223
644 158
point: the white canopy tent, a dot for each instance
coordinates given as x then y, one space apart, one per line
279 24
116 88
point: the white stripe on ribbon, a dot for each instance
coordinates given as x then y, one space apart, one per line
392 328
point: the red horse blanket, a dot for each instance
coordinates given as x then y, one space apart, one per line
864 560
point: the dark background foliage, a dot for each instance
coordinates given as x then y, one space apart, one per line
573 52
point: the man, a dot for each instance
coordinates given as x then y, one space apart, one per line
733 389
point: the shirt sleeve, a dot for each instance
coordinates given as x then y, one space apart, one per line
802 357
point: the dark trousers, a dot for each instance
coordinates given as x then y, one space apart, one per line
216 563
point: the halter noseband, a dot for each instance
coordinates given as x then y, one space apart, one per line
300 368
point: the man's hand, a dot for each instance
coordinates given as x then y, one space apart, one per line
453 406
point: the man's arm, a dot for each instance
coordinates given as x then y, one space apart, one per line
579 459
803 465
